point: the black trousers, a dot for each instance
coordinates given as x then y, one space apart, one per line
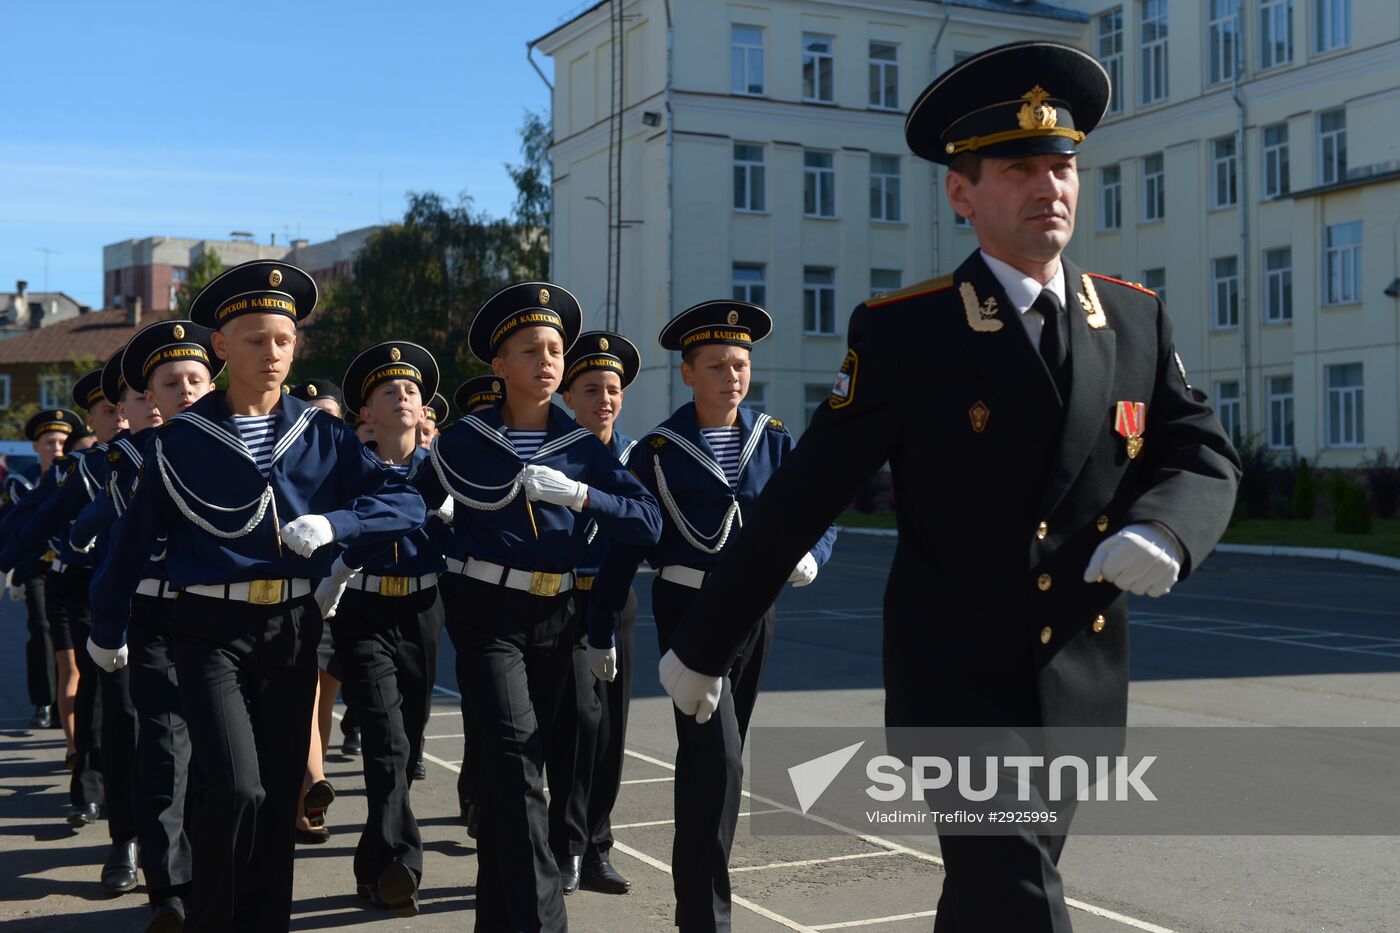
247 678
572 748
457 611
66 596
119 737
38 650
162 748
513 658
1001 883
383 644
709 771
615 700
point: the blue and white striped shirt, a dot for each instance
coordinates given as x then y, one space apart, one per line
526 443
726 443
260 437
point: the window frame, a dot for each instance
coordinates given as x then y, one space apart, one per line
1232 298
1154 188
1222 36
5 382
1336 139
1348 257
813 175
750 168
1269 11
1112 59
886 181
881 66
1283 275
1324 25
1275 156
48 397
882 289
740 48
1227 410
1334 425
1111 198
815 291
1160 288
1229 163
1282 409
1153 54
815 59
749 287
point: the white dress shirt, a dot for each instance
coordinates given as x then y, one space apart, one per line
1024 290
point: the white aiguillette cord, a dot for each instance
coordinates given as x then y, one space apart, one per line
170 479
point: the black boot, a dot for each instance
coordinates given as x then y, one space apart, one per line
119 873
598 874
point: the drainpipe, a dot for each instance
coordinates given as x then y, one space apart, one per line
936 199
670 195
1242 174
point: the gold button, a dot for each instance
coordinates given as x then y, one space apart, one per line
1045 634
1041 531
1102 523
1099 623
1044 582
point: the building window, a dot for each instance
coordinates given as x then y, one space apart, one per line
1156 279
1110 39
884 188
1275 33
4 390
1280 390
1153 16
1154 188
1341 263
748 177
1110 198
885 280
1276 160
1222 175
818 67
818 184
55 390
1278 285
1346 406
748 283
746 60
1225 292
1333 24
757 399
884 75
1227 409
819 301
1332 140
1223 37
812 398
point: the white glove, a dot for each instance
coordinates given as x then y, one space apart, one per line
1142 559
446 510
603 663
805 571
16 589
109 659
304 535
695 694
546 484
329 590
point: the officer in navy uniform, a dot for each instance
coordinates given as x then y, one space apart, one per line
706 464
475 394
222 478
585 774
1048 458
528 484
384 606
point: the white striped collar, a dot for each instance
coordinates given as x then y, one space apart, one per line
130 450
235 442
705 457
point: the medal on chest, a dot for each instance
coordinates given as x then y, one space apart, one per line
1130 421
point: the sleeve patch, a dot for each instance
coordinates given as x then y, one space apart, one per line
843 390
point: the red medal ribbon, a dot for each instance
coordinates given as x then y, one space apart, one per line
1131 418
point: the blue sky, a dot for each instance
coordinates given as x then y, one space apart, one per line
123 120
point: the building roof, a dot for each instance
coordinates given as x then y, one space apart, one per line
96 334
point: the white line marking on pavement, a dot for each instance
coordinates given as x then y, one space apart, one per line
1379 647
814 861
848 924
660 780
1271 602
450 735
645 823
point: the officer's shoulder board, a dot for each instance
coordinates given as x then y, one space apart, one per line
1138 286
926 287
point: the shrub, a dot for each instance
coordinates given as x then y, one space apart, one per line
1304 490
1258 463
1383 482
1353 510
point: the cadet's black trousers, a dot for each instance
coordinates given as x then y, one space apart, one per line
247 678
66 599
513 659
571 749
458 610
709 770
1001 883
615 699
119 735
162 748
38 650
383 645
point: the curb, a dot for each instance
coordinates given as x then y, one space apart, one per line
868 532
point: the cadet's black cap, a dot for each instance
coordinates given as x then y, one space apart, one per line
392 359
312 389
601 349
167 342
112 381
525 304
729 323
479 390
52 419
263 286
1019 99
87 391
437 409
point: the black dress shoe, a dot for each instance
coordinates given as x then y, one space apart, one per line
42 718
569 867
420 770
471 817
85 815
169 916
313 837
119 872
397 890
351 745
599 875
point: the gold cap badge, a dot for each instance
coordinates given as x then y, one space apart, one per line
394 354
602 343
274 278
286 389
1035 113
311 391
179 332
732 317
544 296
496 385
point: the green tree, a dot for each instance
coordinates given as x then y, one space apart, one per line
534 199
199 274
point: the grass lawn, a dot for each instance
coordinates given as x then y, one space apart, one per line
1317 532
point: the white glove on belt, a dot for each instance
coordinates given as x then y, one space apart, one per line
1142 559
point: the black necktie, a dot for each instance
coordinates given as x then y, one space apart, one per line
1052 348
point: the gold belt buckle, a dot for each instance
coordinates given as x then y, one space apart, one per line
393 586
545 584
584 583
265 592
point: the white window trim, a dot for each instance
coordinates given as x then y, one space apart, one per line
1216 161
1269 10
748 287
761 48
1278 151
884 178
1320 34
818 171
1230 422
883 64
1269 275
816 70
1276 398
749 166
48 398
1215 283
1113 61
1327 253
1115 190
1345 392
1160 186
819 288
1217 28
1322 138
1147 49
